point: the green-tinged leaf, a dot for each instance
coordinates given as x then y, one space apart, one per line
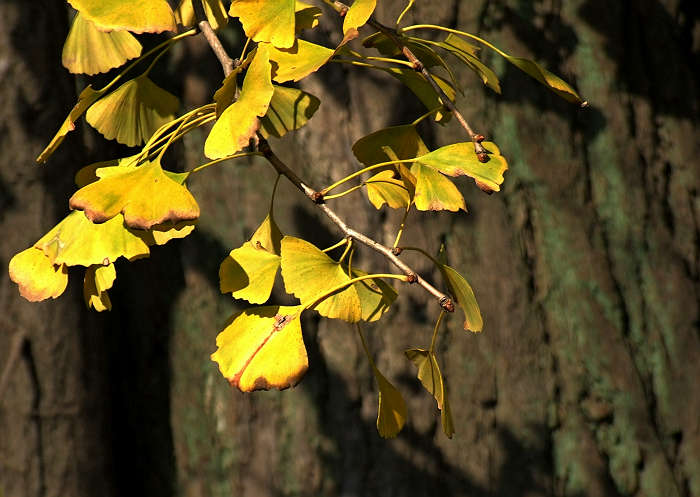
239 122
76 241
459 159
161 234
464 295
308 273
434 192
269 21
423 90
358 14
262 348
268 235
137 16
226 95
213 9
375 296
98 279
552 81
248 273
305 16
297 62
383 188
86 98
404 141
144 194
37 277
461 45
430 376
290 109
90 51
467 53
391 414
133 112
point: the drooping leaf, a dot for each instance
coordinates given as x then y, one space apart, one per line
76 241
383 188
423 90
430 376
466 52
90 51
137 16
391 414
37 277
461 45
239 122
434 192
214 10
289 110
460 159
376 296
269 21
464 295
262 348
404 141
308 273
358 14
306 16
297 62
98 279
226 95
133 112
550 80
144 194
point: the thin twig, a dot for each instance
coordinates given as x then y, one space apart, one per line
15 352
227 63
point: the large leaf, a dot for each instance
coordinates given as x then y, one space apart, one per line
430 376
145 194
383 188
90 51
391 414
358 14
297 62
213 9
133 112
434 192
262 348
37 277
76 241
420 86
269 21
138 16
308 273
239 122
375 296
290 109
464 295
98 279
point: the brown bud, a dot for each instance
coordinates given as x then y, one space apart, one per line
483 157
447 304
411 278
317 197
479 138
396 250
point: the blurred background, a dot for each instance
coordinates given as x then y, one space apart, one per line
586 266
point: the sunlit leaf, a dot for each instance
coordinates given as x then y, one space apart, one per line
358 14
430 376
306 16
239 122
138 16
434 192
262 348
404 141
383 188
290 109
466 52
249 273
391 414
161 234
464 295
144 194
76 241
308 273
133 112
213 9
90 51
268 235
297 62
37 277
375 296
266 20
88 174
98 279
423 90
460 159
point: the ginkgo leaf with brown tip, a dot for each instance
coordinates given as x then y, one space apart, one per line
37 277
137 16
262 348
98 279
434 192
269 21
430 376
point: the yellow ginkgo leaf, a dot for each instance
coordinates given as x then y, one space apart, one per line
358 14
404 141
213 9
239 122
269 21
434 192
88 174
88 50
161 234
37 277
290 109
430 376
308 273
133 112
297 62
248 273
391 414
383 188
98 279
262 348
305 16
226 94
137 16
464 295
76 241
145 194
375 296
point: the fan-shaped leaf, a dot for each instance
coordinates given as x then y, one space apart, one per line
375 296
434 192
297 62
268 235
383 188
391 414
239 122
552 81
404 141
290 109
133 112
98 279
430 376
144 194
269 21
138 16
464 295
262 348
358 14
37 277
213 9
249 273
90 51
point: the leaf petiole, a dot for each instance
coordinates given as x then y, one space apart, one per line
362 171
435 331
352 281
217 161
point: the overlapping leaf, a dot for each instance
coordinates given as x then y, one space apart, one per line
404 141
298 61
226 94
376 296
434 192
262 348
269 21
358 14
305 16
98 279
289 110
161 234
467 53
464 295
133 112
145 194
137 16
214 10
430 376
37 277
88 50
384 188
239 122
423 90
391 414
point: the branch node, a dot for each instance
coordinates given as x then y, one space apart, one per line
411 278
317 197
447 304
396 250
478 138
483 157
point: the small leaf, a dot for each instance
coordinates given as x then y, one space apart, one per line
76 241
297 62
383 188
137 16
262 348
430 376
290 109
434 192
213 9
38 279
249 273
391 414
239 122
145 194
305 16
90 51
375 296
98 279
133 112
423 90
358 14
269 21
464 295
